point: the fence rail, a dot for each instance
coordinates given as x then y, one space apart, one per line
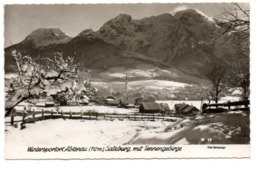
29 116
229 105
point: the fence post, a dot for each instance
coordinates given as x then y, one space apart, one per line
24 114
62 114
23 121
42 113
228 105
70 114
33 113
12 119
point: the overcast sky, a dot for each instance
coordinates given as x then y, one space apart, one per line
21 20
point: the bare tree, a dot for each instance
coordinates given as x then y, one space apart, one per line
217 75
235 24
239 77
38 74
235 21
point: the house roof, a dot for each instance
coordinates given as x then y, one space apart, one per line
111 97
112 102
181 107
151 106
126 101
189 109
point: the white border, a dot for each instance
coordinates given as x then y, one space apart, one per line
198 167
180 151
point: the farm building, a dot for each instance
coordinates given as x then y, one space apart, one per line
149 107
186 109
111 98
111 102
179 107
126 103
191 110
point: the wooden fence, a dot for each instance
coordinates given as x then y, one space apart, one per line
31 116
219 107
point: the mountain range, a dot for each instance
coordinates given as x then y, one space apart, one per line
187 41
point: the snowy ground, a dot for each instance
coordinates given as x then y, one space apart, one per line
144 84
197 103
148 73
143 70
222 128
171 103
75 133
78 109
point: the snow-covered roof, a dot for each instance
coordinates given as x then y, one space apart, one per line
236 92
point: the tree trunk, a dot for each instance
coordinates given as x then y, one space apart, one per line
216 98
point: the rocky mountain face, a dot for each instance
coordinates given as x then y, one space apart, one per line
45 36
188 41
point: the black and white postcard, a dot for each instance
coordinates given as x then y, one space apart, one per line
123 81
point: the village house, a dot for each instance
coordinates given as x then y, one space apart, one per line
111 101
186 109
126 103
149 107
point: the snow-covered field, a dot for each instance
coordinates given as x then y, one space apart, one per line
61 132
143 70
171 103
78 109
197 103
144 84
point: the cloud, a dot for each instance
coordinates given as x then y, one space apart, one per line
181 8
177 9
